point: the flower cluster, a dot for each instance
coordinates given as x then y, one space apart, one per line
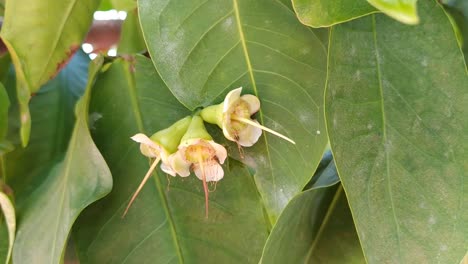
186 145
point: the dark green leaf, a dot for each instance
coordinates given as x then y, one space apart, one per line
315 227
131 37
326 174
4 106
204 49
52 111
401 10
459 10
166 224
325 13
397 121
41 45
71 185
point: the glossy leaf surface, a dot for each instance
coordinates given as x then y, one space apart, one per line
325 13
166 224
397 120
401 10
204 49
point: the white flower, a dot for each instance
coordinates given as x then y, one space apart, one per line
233 115
197 152
159 146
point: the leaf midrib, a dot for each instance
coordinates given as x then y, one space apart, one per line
254 86
384 134
137 112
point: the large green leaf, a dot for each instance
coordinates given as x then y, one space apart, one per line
52 111
8 217
204 49
40 45
315 227
166 224
325 13
72 184
401 10
397 121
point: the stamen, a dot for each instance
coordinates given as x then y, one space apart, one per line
252 123
168 182
213 184
205 186
145 179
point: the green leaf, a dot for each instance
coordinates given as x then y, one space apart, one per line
71 185
204 49
8 212
131 37
397 121
166 224
401 10
4 106
315 227
54 38
40 53
459 11
105 5
325 13
125 5
52 111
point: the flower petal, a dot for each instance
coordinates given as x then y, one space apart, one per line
213 171
231 98
168 169
147 147
221 152
179 164
249 135
253 102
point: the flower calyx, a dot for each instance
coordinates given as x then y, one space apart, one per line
159 146
198 152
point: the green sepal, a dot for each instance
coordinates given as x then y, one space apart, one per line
196 130
170 137
213 114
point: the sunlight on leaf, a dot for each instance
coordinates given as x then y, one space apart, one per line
401 10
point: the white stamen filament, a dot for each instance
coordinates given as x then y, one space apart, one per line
145 179
252 123
205 186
